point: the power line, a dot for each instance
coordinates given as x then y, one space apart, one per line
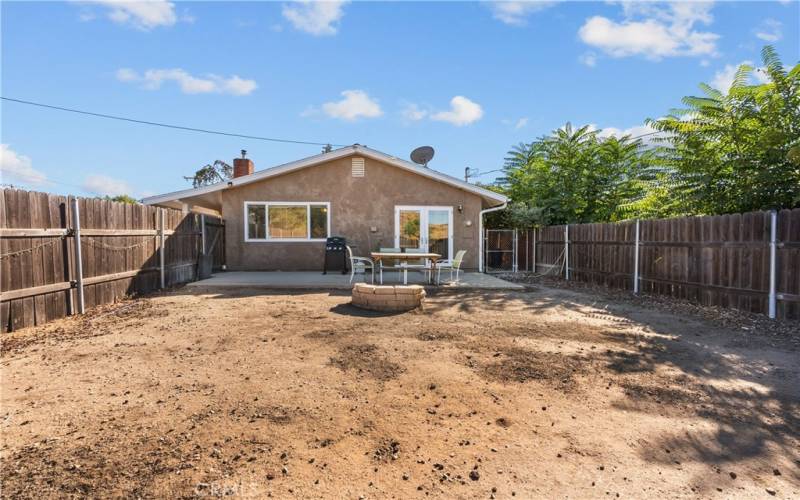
167 125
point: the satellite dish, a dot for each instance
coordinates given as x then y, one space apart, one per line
422 155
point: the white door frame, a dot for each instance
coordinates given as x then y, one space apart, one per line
423 225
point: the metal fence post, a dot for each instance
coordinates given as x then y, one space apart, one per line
514 255
636 260
76 228
566 251
161 246
65 222
534 250
773 257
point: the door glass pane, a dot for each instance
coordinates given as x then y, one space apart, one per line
410 228
439 232
256 221
319 221
288 221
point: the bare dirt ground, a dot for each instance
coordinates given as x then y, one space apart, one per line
539 394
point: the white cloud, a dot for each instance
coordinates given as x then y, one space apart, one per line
141 14
516 13
152 79
760 75
723 79
645 133
356 104
516 124
105 185
462 112
15 167
238 86
770 30
653 31
187 18
127 75
315 17
588 59
413 112
87 16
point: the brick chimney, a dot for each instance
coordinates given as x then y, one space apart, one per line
242 166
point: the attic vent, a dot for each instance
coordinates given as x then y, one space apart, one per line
358 167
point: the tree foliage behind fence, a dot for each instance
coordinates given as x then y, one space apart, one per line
719 260
119 249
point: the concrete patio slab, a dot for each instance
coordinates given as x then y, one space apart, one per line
317 280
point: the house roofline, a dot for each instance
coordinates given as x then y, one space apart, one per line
320 158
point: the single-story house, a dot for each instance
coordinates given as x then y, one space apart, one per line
279 218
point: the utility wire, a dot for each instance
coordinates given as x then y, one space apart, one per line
167 125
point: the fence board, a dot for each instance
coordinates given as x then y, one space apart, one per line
119 253
711 260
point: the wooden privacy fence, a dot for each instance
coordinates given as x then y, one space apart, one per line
61 254
745 261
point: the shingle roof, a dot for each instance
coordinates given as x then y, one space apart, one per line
320 158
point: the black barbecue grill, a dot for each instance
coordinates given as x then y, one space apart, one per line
335 255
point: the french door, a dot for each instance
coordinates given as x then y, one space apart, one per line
429 229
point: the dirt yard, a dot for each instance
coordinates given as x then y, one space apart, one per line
538 394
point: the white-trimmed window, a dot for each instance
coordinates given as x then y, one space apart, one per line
287 220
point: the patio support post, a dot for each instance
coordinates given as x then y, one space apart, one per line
636 260
773 257
566 251
482 235
76 228
203 233
161 245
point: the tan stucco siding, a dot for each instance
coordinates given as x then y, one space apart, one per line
357 204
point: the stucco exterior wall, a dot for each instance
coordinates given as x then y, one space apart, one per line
356 205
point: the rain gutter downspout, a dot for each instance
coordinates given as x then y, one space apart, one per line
480 232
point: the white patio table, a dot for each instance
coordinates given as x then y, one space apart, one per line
433 257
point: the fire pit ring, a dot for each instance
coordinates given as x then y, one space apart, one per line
388 298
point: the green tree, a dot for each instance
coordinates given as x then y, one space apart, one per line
724 152
738 151
122 198
572 175
219 171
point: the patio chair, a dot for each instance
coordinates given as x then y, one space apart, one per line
383 265
415 265
451 265
360 263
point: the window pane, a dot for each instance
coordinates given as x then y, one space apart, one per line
319 221
287 221
409 228
256 221
439 232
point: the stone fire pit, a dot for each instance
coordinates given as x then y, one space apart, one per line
388 298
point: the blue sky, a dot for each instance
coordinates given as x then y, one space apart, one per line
469 78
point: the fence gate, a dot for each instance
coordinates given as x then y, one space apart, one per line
500 250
